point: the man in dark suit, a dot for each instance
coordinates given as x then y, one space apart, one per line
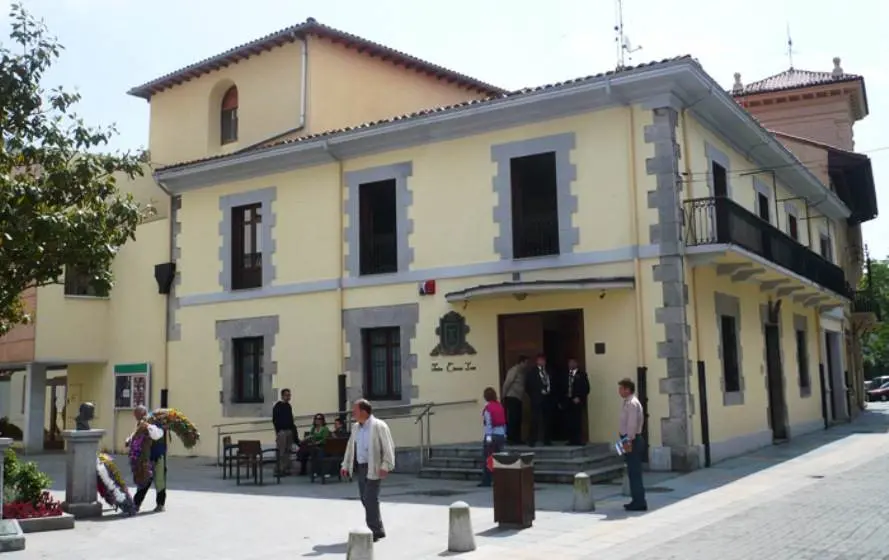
578 389
538 386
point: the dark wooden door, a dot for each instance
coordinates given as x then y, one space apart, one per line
520 335
775 374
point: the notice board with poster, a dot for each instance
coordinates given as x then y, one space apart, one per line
132 385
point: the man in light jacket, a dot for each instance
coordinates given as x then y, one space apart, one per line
513 392
370 454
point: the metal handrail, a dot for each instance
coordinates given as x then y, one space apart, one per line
384 413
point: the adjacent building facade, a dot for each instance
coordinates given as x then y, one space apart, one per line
373 218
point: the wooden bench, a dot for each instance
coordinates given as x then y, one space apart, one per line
331 458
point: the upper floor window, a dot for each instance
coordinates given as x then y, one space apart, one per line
762 207
247 247
79 284
535 205
826 247
228 125
378 245
793 226
720 179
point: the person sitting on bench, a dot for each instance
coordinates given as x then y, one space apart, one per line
312 445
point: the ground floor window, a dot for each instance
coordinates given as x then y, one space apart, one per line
731 371
248 360
802 360
382 363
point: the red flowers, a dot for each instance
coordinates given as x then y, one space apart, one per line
45 506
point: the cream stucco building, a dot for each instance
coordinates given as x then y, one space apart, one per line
348 220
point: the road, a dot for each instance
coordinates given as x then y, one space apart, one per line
819 497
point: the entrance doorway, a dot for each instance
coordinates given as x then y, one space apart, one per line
56 389
833 346
559 336
775 378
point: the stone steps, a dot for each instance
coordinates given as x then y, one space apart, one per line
555 464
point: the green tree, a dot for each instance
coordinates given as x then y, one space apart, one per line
876 341
59 204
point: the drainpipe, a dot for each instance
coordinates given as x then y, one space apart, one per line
694 292
304 70
637 261
684 149
303 103
342 256
167 314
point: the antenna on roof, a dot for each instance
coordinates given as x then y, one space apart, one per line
621 41
789 46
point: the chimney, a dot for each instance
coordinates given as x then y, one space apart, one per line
837 69
738 87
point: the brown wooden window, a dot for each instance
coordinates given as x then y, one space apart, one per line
535 206
378 252
248 369
228 125
79 284
246 247
382 363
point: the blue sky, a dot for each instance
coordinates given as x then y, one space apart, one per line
112 45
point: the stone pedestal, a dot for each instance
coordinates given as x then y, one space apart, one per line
460 535
360 545
80 473
11 536
583 493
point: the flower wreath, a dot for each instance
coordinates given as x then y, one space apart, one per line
111 485
170 420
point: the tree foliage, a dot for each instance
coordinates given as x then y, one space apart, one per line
59 204
876 342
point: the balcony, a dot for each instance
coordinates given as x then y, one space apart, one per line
720 224
866 307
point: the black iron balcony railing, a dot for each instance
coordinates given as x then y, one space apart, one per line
865 302
720 220
535 235
379 254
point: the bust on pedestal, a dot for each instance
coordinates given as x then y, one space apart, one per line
82 445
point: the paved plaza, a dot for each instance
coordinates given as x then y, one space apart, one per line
820 497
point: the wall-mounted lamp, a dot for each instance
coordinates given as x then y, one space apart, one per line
520 297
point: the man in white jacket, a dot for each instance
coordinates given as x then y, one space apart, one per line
370 454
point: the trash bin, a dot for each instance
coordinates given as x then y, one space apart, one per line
514 490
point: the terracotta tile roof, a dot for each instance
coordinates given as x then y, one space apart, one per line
432 111
792 79
291 34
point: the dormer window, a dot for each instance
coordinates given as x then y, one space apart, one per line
228 125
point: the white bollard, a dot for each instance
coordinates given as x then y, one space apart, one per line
583 493
625 489
460 535
361 545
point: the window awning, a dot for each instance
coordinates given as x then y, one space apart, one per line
520 289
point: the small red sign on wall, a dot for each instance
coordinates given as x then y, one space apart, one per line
427 288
